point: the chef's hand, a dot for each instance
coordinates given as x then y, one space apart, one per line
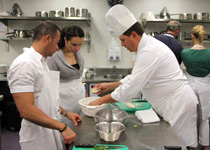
96 102
102 87
68 136
75 118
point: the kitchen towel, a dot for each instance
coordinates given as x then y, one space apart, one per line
147 116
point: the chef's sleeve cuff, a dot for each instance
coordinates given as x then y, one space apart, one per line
20 89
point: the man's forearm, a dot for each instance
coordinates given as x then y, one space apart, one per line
27 110
114 85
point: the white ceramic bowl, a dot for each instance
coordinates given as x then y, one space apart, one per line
148 15
90 110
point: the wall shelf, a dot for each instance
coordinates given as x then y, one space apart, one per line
144 22
29 38
5 19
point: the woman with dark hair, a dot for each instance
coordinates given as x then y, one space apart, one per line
197 62
70 63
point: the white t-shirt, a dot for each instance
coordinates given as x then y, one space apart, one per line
25 74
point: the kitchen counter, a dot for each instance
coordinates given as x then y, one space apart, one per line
137 136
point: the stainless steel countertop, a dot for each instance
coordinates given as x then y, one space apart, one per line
143 137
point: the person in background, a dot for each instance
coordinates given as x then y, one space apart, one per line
170 38
35 90
156 73
197 62
70 63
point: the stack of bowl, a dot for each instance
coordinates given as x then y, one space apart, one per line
110 123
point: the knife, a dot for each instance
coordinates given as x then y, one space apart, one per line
139 100
100 145
173 147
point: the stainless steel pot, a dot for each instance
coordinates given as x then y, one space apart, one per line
59 13
38 13
52 13
84 12
20 34
205 16
185 16
44 14
69 12
198 16
79 12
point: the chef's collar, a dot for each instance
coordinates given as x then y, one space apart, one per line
169 34
37 55
141 43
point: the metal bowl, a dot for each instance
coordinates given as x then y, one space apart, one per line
110 115
110 131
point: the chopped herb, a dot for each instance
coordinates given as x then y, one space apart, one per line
100 147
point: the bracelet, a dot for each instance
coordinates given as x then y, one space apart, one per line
65 127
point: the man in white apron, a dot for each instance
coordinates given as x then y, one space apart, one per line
35 91
156 73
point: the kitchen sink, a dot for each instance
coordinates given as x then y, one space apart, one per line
114 76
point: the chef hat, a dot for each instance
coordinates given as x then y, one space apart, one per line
120 19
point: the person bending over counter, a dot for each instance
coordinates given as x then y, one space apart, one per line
156 73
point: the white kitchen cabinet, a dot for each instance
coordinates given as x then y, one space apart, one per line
6 19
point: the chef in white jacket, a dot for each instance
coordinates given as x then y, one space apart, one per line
35 90
156 73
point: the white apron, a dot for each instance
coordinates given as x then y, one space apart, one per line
35 137
179 109
201 87
70 94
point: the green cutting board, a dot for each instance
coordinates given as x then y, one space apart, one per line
124 147
139 106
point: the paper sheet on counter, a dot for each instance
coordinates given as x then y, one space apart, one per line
147 116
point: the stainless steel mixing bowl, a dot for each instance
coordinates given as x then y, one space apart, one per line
110 131
110 115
